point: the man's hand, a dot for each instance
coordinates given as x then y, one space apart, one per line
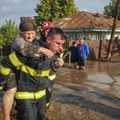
59 62
60 51
48 53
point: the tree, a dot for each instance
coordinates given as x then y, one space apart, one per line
67 9
1 41
1 44
8 31
113 30
50 10
110 9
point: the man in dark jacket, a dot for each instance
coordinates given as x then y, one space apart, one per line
54 43
27 47
74 53
29 50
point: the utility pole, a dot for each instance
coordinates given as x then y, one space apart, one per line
113 30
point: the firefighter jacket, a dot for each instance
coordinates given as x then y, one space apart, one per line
32 74
30 50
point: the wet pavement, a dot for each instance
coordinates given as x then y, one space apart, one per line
97 88
100 82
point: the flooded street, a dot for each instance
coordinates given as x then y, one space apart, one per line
99 82
93 94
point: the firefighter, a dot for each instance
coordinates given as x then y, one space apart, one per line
44 28
27 49
18 45
21 68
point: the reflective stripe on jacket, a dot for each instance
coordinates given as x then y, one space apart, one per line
30 95
4 70
52 77
1 87
14 60
32 78
20 66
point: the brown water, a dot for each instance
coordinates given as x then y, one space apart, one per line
99 82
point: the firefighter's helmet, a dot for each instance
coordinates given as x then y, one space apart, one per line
47 25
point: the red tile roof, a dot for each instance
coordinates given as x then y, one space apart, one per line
85 20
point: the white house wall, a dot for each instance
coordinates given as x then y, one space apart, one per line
74 34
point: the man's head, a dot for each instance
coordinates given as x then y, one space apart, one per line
45 27
81 41
28 28
55 39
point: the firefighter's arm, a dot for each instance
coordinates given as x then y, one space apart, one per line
5 69
3 80
12 62
28 49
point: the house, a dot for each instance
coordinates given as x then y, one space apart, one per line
88 26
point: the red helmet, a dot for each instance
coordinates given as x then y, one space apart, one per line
47 25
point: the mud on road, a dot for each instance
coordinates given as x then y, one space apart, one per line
90 95
93 94
71 107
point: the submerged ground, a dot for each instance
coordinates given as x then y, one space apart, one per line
93 94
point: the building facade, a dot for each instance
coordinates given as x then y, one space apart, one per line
88 26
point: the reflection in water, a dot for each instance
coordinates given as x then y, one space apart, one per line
96 85
102 78
78 77
117 79
103 67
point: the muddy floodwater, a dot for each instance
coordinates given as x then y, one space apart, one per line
100 82
93 94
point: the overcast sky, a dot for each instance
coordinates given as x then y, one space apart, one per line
14 9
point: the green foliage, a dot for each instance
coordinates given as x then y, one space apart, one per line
110 9
68 8
8 31
50 10
1 41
